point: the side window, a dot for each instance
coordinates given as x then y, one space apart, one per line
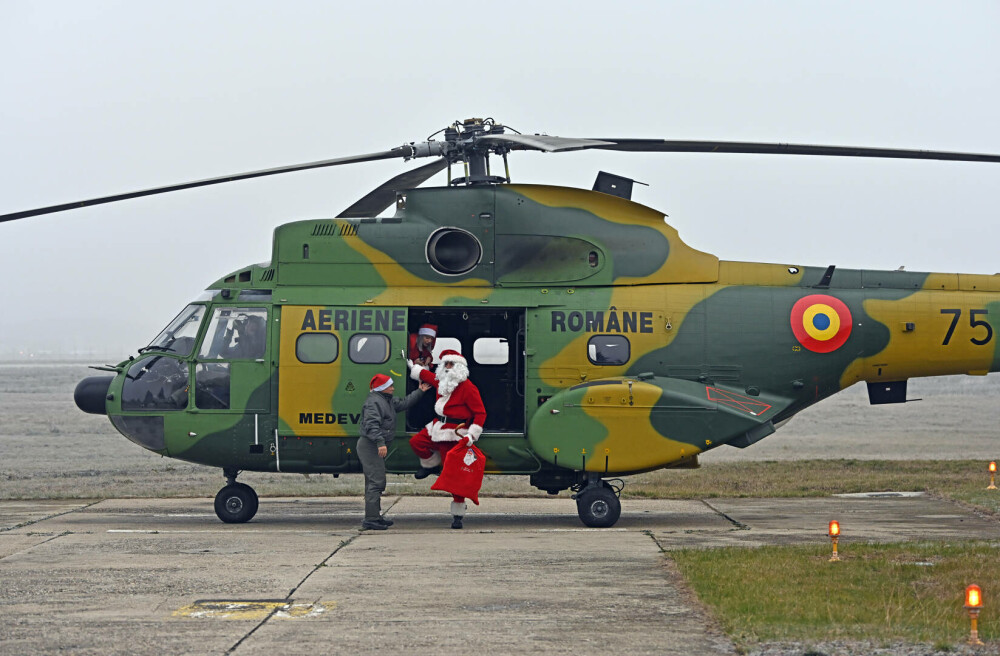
608 349
156 383
444 344
235 334
491 350
211 386
369 349
318 348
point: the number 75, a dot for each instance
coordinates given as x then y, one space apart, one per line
973 322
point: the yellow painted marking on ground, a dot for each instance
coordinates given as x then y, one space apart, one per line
257 610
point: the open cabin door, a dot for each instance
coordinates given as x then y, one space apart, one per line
492 341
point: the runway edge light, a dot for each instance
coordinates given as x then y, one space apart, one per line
993 473
974 603
834 534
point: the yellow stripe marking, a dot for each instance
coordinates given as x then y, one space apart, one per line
253 610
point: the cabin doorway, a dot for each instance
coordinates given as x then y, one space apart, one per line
492 341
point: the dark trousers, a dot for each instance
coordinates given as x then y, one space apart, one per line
373 466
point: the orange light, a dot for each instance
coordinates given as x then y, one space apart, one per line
834 529
993 467
973 597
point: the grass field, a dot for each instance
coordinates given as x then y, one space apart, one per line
880 593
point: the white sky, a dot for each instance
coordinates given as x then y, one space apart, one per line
104 97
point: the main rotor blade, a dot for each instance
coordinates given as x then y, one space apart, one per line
377 200
544 142
665 146
401 152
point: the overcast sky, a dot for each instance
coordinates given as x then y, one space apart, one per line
107 97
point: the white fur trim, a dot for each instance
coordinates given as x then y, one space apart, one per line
427 331
458 508
383 386
433 461
415 372
454 358
439 433
475 430
440 404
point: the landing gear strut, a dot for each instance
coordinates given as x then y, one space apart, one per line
236 503
597 502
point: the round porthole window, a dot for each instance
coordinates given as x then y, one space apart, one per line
452 251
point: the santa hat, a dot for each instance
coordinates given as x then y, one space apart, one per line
428 329
380 383
453 356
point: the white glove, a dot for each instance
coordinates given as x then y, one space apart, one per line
475 430
469 441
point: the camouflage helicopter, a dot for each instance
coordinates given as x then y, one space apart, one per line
603 345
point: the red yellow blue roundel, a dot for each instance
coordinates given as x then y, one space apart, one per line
821 323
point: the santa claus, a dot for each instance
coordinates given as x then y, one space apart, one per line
460 418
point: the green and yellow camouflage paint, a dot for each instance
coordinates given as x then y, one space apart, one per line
718 352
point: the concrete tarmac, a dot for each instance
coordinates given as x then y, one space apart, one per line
166 576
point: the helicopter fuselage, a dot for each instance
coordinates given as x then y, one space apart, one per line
602 343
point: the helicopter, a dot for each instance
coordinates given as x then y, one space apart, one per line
603 345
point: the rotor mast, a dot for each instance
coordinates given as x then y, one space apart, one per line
466 146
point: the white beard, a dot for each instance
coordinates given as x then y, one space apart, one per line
449 379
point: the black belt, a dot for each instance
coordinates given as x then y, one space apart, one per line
451 420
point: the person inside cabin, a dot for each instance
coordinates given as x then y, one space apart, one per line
421 351
250 339
421 346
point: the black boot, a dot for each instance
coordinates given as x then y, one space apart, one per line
384 521
373 525
456 521
424 472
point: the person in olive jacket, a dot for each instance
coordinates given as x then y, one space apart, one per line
378 426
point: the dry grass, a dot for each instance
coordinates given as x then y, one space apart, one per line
883 592
962 480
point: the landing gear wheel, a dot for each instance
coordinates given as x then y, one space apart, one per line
236 503
598 507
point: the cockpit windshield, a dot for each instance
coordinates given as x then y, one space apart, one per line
179 336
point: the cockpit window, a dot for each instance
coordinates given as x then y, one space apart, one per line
179 336
156 382
235 333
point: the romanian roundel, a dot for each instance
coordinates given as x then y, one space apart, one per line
821 323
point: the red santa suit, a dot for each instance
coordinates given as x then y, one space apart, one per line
460 410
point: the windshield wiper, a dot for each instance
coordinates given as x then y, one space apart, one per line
152 347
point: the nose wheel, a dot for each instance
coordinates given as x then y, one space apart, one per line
236 503
597 504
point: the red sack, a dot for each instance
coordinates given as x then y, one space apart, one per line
462 472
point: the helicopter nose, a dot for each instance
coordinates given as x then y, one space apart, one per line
91 394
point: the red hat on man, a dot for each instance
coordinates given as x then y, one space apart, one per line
428 329
380 383
453 356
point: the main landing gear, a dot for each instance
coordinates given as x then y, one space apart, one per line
236 503
597 501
